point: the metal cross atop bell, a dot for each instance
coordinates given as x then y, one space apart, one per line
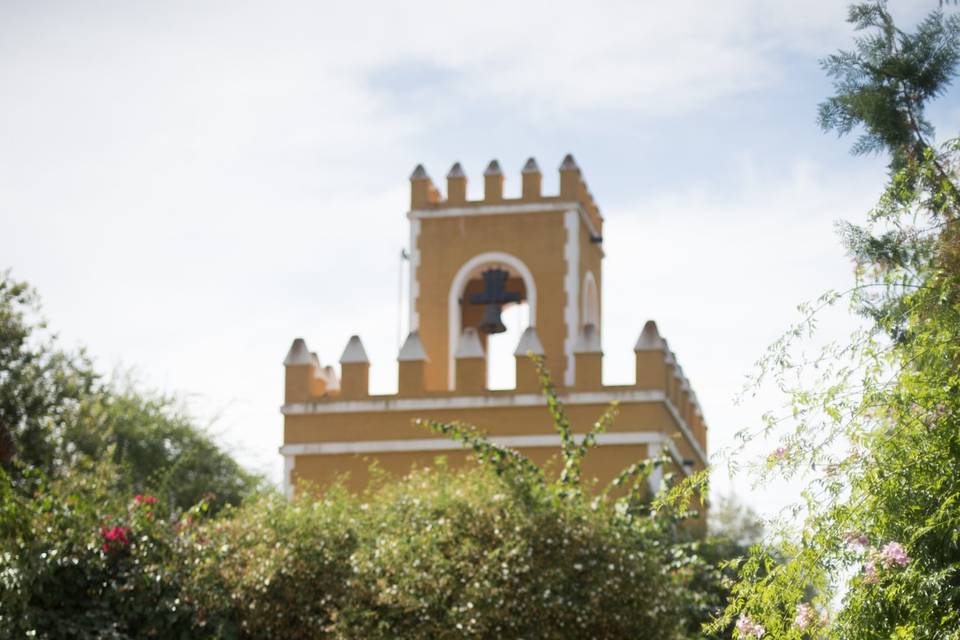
494 296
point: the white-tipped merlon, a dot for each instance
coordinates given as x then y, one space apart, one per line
354 352
493 169
650 339
456 171
568 163
419 173
529 343
589 340
330 376
412 349
469 345
298 354
531 167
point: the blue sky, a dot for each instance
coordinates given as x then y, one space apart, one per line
192 186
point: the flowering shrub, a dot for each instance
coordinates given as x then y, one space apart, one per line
440 554
114 539
78 562
495 550
747 628
871 425
806 617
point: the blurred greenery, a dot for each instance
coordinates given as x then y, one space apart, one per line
119 518
873 423
57 412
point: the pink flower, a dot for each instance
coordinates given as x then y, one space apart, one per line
870 572
114 538
747 627
894 553
856 539
806 616
778 454
144 499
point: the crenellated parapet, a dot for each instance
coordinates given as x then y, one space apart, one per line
657 370
425 196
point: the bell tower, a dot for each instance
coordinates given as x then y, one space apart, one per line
469 259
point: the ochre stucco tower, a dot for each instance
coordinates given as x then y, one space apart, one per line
548 253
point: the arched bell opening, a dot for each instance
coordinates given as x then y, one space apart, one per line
500 347
500 305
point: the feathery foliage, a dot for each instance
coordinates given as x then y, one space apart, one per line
876 437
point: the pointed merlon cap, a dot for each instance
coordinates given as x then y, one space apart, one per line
589 340
419 174
531 166
529 343
333 382
456 171
650 339
354 352
493 169
469 345
318 371
412 349
315 359
298 354
678 370
568 163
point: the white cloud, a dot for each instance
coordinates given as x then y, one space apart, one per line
235 59
191 186
722 274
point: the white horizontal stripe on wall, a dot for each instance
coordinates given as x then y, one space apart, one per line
393 403
501 209
375 405
289 451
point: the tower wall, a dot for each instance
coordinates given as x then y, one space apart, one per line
551 245
447 244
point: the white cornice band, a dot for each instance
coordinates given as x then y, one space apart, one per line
392 403
506 208
378 405
446 444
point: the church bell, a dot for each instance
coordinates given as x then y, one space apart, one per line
491 322
494 296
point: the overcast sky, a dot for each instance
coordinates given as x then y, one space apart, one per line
191 185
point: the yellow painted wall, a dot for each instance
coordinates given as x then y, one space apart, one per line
533 230
446 244
354 469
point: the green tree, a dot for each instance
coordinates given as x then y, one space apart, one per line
57 413
733 520
501 549
877 436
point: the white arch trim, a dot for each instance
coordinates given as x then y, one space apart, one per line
460 284
590 306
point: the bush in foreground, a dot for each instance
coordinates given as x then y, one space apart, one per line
100 536
439 554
